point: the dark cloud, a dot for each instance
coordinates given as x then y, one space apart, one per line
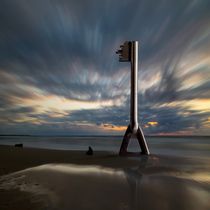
66 48
170 120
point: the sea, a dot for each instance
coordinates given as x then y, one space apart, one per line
193 146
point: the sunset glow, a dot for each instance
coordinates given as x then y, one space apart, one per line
152 123
109 127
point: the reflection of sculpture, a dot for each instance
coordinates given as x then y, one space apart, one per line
134 178
129 53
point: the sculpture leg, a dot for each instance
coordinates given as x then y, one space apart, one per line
125 142
142 142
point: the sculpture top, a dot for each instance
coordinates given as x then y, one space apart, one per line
125 52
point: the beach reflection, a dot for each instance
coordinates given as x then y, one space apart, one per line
145 186
81 170
154 185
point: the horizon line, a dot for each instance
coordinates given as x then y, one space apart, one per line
88 135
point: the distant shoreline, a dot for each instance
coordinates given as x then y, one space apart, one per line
161 136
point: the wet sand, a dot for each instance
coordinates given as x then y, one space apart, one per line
50 179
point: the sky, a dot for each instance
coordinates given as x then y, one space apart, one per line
59 74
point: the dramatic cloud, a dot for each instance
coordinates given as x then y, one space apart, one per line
59 73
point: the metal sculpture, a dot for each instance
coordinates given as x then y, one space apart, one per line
128 52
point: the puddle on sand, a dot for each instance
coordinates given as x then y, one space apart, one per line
95 187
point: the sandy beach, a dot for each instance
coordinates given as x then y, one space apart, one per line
53 179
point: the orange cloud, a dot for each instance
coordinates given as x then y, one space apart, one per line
152 123
111 127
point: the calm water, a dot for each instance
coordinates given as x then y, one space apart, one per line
179 146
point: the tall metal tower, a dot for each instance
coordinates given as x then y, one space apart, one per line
128 52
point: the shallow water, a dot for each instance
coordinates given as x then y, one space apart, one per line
155 183
177 146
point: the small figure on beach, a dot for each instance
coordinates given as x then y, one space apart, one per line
19 145
90 151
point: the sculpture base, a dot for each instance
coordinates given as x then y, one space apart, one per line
142 143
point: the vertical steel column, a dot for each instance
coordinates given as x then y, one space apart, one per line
134 87
129 52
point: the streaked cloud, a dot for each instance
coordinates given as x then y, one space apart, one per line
59 72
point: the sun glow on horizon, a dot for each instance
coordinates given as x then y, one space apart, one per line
152 123
110 127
